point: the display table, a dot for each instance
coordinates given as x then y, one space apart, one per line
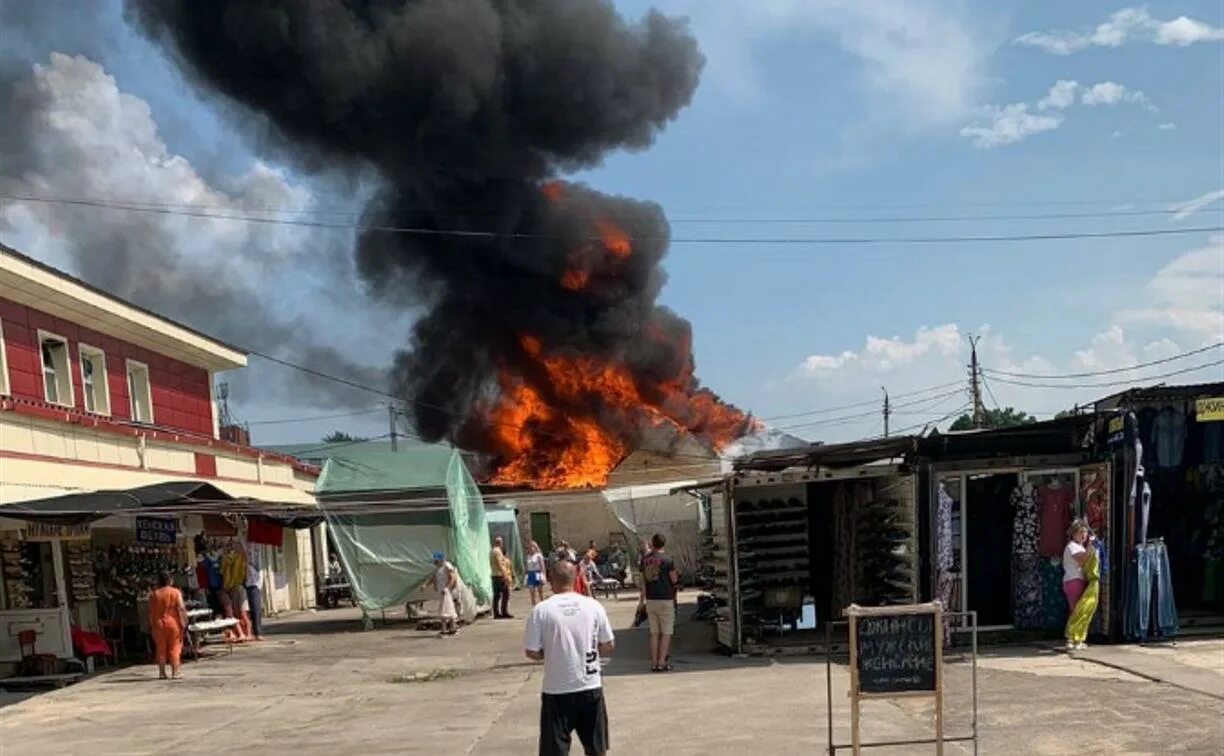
202 613
198 632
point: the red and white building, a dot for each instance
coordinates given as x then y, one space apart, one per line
99 394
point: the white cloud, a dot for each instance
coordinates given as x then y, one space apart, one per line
1190 207
1181 309
923 57
1112 93
1008 125
1126 25
1061 96
1170 126
69 131
1183 31
881 355
1012 123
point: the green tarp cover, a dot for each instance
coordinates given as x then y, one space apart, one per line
388 555
502 522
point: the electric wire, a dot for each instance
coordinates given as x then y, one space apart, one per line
1108 384
1112 371
709 240
356 211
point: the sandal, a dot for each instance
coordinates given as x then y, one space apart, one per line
656 669
666 668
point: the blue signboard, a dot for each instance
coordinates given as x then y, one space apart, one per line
156 530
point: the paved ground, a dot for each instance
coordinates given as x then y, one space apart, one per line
321 686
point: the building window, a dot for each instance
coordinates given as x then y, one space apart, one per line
139 393
4 379
57 380
93 380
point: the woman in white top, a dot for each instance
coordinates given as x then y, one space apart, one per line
445 580
1073 564
535 573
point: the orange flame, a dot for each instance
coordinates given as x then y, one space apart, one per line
615 240
586 425
575 280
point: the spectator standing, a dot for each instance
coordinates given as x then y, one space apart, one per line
569 632
503 579
659 579
253 591
446 580
535 573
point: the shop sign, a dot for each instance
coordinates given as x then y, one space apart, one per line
157 530
51 531
895 652
1209 410
1116 431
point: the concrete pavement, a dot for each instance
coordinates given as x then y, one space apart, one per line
322 686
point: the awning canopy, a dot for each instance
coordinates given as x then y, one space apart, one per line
168 498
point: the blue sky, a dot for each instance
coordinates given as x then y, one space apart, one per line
867 110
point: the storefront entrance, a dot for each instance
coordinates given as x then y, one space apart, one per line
987 547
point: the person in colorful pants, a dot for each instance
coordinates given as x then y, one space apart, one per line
1083 590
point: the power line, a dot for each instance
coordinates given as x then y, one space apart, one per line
338 445
362 211
870 413
711 240
1113 371
868 403
1107 384
281 421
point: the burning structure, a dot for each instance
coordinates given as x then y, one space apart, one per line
542 346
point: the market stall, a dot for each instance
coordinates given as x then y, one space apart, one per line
810 531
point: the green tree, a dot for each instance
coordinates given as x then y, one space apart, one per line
340 437
1007 417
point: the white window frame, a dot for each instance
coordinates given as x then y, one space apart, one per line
62 381
5 388
129 364
98 358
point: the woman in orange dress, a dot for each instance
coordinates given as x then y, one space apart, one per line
168 622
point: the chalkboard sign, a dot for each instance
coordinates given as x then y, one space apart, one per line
896 653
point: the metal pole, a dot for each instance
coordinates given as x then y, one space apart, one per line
887 411
391 418
973 674
829 682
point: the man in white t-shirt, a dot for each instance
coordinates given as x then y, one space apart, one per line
569 632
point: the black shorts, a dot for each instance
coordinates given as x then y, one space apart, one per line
563 714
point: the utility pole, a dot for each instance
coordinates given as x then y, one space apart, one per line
887 411
391 416
975 384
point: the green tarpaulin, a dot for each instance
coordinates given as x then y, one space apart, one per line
502 522
429 503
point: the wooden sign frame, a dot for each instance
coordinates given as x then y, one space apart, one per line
857 696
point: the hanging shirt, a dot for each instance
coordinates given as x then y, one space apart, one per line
1025 527
943 529
1054 503
233 570
213 565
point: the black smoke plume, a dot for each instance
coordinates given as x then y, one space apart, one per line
466 110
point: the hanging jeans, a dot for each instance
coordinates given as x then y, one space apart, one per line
1149 608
